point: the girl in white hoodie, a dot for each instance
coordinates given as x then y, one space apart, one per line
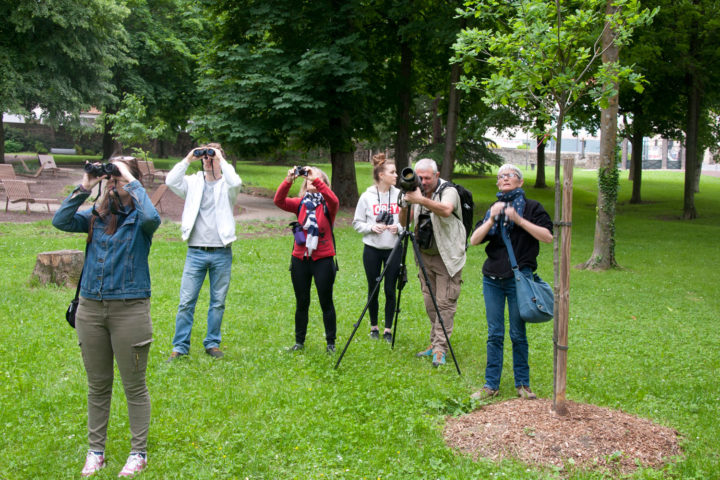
377 219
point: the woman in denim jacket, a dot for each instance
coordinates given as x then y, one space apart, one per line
113 316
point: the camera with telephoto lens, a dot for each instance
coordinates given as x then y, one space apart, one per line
199 152
408 180
385 217
301 172
102 170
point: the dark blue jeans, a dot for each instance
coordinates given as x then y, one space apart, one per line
496 291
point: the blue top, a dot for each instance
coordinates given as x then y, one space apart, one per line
116 266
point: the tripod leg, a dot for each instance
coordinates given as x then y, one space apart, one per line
395 251
401 281
416 250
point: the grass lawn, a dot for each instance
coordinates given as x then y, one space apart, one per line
643 339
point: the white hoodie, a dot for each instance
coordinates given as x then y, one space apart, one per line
371 203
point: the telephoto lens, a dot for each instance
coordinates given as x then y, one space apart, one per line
408 180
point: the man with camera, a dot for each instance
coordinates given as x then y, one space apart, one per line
440 237
208 225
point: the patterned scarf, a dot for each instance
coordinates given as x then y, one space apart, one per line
514 198
311 202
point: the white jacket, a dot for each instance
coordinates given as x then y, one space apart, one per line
366 212
190 187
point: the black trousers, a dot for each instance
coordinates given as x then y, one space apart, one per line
302 272
374 259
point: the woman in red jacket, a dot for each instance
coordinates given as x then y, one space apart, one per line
313 255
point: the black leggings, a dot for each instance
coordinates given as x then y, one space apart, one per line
373 260
302 273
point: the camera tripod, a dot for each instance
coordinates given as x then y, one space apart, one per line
400 248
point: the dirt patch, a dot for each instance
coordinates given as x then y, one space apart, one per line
589 437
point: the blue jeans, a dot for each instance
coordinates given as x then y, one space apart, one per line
495 292
217 264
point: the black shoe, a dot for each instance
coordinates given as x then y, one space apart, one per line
387 336
330 348
297 347
214 352
374 334
175 356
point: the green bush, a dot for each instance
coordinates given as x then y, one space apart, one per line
13 146
40 147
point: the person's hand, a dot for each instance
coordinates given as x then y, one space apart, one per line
512 215
124 171
393 228
291 175
496 209
414 196
219 155
190 157
378 228
312 173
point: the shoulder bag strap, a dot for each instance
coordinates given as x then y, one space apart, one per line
506 238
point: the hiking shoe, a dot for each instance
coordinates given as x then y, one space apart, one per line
425 353
330 348
214 352
94 462
135 464
525 392
374 334
484 394
175 356
387 336
438 359
296 348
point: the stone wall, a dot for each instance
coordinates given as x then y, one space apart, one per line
528 158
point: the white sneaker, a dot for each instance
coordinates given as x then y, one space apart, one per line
135 464
93 463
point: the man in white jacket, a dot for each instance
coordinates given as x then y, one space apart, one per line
208 226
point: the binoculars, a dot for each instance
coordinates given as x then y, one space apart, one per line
199 152
385 217
102 170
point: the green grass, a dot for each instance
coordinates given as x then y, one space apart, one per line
642 339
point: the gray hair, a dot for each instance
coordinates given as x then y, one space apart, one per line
426 164
510 166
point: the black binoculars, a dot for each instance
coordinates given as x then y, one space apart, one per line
199 152
102 170
385 217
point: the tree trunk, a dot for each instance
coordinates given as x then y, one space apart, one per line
2 140
540 148
448 164
342 159
691 144
636 164
402 140
62 267
110 146
437 128
560 324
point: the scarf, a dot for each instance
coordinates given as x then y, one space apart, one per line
514 198
311 202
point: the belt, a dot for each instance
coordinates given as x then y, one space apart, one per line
210 249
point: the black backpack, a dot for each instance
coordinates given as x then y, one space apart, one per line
466 206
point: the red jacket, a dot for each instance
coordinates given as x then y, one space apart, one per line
325 247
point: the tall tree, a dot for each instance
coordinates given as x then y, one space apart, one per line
548 54
281 69
57 55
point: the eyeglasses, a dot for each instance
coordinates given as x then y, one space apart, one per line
204 151
503 176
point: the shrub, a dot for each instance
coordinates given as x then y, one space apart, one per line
13 146
40 147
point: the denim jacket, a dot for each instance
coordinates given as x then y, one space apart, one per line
116 266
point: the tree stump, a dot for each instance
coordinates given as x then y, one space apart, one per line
62 267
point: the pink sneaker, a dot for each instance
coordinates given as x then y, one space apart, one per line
135 464
93 463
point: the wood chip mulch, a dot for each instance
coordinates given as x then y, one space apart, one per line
588 437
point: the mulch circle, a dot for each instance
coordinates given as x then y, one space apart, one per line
588 437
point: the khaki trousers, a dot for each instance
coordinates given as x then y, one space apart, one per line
447 291
119 329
